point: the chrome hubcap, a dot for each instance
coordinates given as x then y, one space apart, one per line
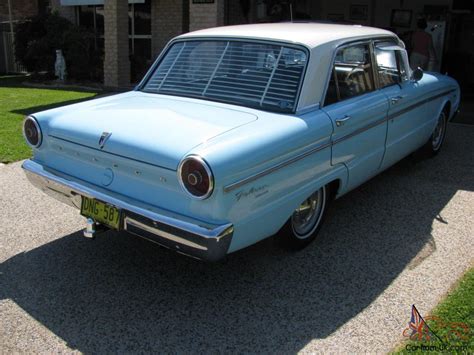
307 216
438 133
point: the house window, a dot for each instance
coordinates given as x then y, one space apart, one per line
92 18
139 32
139 25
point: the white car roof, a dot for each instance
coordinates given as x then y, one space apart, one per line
309 34
320 38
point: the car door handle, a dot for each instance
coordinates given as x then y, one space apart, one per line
342 121
395 99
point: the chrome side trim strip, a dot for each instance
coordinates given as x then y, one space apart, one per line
276 167
382 120
360 130
392 116
419 103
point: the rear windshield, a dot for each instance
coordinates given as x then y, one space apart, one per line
263 75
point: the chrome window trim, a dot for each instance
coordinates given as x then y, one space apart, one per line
398 59
307 109
342 45
333 62
374 62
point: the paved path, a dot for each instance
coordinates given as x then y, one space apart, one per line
404 237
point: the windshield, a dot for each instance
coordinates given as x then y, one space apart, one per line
263 75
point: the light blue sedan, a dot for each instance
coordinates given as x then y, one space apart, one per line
239 133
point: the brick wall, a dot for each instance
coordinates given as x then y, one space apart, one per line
116 62
20 9
27 8
206 15
169 18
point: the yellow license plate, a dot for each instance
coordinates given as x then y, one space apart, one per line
101 212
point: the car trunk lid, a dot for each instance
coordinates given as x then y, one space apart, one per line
151 128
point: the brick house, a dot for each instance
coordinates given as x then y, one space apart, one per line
138 29
133 32
12 11
20 9
152 23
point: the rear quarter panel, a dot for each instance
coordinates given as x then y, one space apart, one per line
260 207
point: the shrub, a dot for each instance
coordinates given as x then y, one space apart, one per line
38 38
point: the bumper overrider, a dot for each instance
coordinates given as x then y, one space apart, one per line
185 235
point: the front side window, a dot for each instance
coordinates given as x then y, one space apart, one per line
351 75
263 75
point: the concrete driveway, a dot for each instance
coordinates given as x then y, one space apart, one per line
403 238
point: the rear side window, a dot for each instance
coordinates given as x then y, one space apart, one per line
351 75
262 75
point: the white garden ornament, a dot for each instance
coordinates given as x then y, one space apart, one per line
60 65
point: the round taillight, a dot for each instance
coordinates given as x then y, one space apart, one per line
32 132
195 177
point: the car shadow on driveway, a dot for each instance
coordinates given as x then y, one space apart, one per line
119 293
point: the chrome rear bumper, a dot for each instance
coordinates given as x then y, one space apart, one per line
183 234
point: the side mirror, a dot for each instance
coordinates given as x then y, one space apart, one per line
417 74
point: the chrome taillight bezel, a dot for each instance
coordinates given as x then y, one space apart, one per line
208 170
38 128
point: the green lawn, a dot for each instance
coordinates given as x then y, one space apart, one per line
458 307
17 101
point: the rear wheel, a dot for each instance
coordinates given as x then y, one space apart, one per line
305 222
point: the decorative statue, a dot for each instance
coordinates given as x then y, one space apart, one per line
60 65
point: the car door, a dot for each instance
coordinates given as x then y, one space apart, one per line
408 124
358 113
